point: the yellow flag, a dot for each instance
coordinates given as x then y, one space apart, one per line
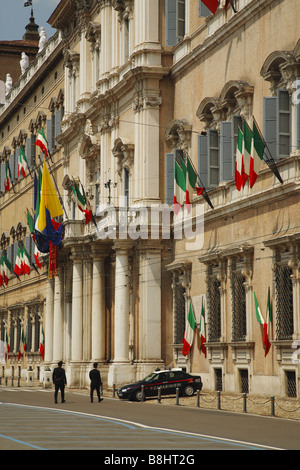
49 200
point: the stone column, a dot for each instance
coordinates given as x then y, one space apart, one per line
98 308
121 326
58 317
121 371
77 330
149 305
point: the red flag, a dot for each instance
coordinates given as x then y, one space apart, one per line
212 5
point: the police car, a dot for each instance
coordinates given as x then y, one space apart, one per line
167 381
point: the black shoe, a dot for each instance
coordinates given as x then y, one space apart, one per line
63 401
55 402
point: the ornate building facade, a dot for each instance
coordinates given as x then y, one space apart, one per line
122 90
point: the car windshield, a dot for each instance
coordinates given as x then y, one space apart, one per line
150 377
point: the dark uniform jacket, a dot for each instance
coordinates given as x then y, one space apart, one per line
59 376
95 377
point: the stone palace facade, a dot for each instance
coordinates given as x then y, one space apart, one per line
122 90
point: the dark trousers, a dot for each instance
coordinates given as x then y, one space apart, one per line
60 387
97 388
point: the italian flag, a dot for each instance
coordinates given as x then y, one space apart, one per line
189 331
7 177
18 263
264 325
179 187
212 5
191 180
22 346
7 346
257 153
25 261
42 343
82 202
239 160
5 269
22 165
269 321
202 330
37 257
22 264
42 142
247 153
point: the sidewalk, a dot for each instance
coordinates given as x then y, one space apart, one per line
287 408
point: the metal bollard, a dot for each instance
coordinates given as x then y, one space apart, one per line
272 406
245 402
114 390
159 395
219 400
198 398
177 396
143 393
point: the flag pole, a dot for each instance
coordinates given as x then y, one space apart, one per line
205 195
269 161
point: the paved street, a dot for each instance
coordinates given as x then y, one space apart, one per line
30 420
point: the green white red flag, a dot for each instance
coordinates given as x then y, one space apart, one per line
23 343
202 335
191 180
239 160
257 153
42 142
82 202
7 177
5 269
269 322
42 343
179 186
7 346
22 165
262 322
190 328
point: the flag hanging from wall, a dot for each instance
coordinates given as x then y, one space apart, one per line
42 142
261 321
22 164
22 345
189 331
257 153
5 269
179 186
82 202
7 180
212 5
42 343
7 346
202 346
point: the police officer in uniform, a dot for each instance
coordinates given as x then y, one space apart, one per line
60 381
96 382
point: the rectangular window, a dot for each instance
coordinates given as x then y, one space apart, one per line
175 21
277 124
284 303
238 299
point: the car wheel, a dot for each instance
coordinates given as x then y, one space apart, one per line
189 391
139 396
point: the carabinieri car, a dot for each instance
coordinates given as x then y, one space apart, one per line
165 380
